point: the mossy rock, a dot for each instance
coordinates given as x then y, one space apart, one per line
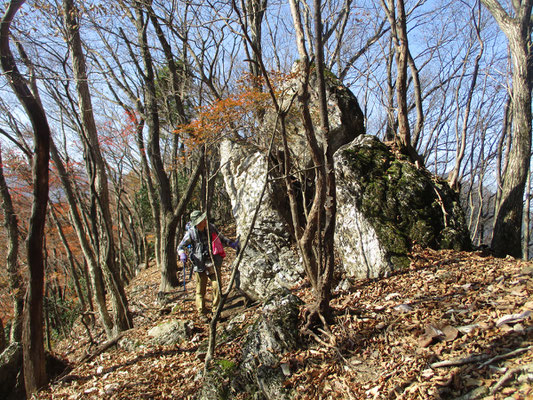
274 333
403 204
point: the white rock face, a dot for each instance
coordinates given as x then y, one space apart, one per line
268 262
356 240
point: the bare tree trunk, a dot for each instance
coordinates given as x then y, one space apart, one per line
316 240
71 263
47 319
32 336
327 232
2 336
177 95
417 88
170 209
399 35
306 234
152 195
507 236
167 252
13 271
313 234
454 176
502 153
121 314
392 125
137 118
88 251
527 219
254 13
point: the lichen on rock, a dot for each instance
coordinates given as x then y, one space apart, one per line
386 205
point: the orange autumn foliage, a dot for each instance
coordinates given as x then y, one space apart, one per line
235 116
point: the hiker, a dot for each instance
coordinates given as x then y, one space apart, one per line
196 236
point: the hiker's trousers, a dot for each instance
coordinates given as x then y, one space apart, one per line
201 286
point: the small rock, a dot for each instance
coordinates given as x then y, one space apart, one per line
112 387
91 390
467 328
450 333
172 332
404 308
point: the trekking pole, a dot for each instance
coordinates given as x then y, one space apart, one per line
184 275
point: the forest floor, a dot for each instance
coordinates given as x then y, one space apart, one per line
456 325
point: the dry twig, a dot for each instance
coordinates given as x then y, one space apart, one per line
510 375
461 361
506 355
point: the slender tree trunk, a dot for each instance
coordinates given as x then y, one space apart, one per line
316 239
121 314
32 336
527 219
13 272
398 25
152 194
47 319
420 117
454 177
327 233
71 264
502 152
88 251
169 209
255 11
33 346
2 337
88 284
167 252
392 125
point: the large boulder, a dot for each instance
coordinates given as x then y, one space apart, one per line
385 205
268 262
346 120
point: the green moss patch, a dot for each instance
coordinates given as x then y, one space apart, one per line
404 204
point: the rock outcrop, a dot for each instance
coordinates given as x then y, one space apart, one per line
268 262
385 205
346 120
260 373
171 332
11 377
274 333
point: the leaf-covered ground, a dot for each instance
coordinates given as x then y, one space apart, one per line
456 325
